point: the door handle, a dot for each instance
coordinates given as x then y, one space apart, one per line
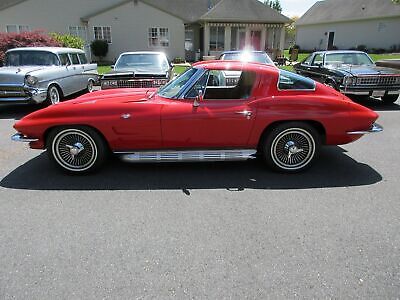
245 113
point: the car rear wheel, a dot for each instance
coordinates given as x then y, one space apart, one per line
76 150
291 147
53 95
390 98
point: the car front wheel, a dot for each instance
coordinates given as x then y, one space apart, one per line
291 147
53 95
390 98
76 150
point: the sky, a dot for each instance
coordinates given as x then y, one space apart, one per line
293 8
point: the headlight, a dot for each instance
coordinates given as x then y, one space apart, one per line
31 80
350 80
109 83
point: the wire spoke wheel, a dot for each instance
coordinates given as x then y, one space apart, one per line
90 86
74 150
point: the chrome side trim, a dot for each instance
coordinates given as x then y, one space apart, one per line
19 137
188 156
375 128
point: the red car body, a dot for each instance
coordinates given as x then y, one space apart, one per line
131 120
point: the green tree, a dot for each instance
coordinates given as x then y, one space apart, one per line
275 4
396 1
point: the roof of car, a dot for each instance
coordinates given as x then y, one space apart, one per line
48 49
339 51
236 65
142 52
241 51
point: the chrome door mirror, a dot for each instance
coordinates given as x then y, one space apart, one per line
199 98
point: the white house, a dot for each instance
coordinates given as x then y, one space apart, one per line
346 24
177 27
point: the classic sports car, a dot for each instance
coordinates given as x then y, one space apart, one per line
280 116
144 69
247 56
351 73
45 74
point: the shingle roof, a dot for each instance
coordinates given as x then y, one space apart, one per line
7 3
330 11
244 11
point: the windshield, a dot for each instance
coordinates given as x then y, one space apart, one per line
248 57
145 62
338 59
31 58
172 89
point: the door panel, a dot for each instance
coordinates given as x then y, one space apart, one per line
213 124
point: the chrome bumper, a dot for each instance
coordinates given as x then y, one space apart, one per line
375 128
19 137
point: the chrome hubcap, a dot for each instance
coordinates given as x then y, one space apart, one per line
293 149
74 150
54 95
90 86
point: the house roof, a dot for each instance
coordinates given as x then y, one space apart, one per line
8 3
244 11
331 11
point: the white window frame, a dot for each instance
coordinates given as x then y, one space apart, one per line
18 27
217 31
158 37
75 30
103 27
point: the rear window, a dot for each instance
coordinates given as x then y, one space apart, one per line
292 81
83 58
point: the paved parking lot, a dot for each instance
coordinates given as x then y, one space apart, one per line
214 230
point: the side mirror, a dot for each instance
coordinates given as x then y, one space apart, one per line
199 98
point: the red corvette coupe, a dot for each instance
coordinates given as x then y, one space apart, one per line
200 116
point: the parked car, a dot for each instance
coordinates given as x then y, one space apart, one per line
232 77
270 113
247 56
138 70
39 74
352 73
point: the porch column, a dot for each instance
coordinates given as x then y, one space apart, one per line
263 38
282 41
206 39
227 39
247 42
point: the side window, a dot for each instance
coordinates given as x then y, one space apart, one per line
318 60
74 58
292 81
64 59
199 85
82 58
307 61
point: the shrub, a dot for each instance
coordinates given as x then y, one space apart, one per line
294 47
99 48
179 60
68 40
361 48
24 39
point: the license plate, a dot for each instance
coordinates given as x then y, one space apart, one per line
378 93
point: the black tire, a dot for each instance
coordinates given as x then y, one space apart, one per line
390 98
90 86
291 147
54 95
77 149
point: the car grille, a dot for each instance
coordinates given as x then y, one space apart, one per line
11 91
378 80
140 83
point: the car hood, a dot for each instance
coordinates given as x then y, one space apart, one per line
136 72
16 75
368 70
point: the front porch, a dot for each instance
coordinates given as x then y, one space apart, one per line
212 38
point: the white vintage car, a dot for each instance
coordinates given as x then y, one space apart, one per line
44 74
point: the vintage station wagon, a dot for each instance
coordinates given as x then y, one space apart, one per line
40 74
